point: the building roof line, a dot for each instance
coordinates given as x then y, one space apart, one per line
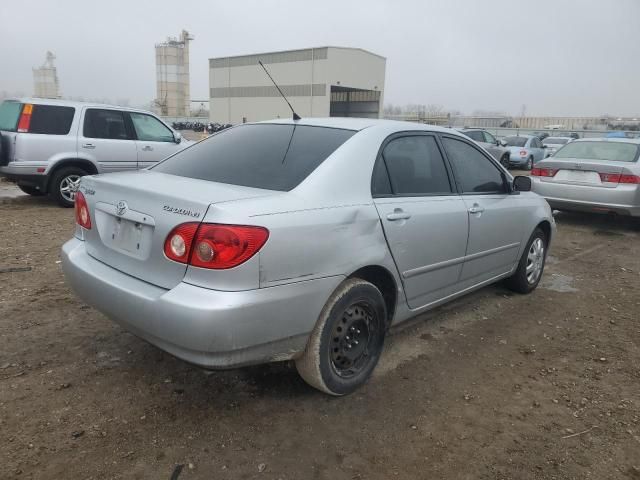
299 50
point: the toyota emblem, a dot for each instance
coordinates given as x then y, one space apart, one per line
121 208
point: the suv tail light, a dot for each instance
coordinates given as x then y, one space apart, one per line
523 153
25 118
543 172
82 211
618 178
214 246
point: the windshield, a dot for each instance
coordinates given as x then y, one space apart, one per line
269 156
9 115
515 141
556 140
607 151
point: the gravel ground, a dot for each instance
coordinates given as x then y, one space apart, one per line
492 386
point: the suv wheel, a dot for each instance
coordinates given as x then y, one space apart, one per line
64 185
347 341
33 191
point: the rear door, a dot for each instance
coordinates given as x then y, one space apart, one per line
425 221
496 219
106 139
155 140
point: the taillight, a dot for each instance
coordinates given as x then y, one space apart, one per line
618 178
25 118
177 246
523 153
543 172
82 211
215 246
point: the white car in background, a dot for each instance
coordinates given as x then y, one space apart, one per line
553 144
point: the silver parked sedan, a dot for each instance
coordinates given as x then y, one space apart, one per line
302 240
594 175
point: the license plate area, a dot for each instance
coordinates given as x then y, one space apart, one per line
130 236
578 176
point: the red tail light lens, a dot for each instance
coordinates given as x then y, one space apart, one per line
25 118
177 246
226 246
523 153
82 211
543 172
617 178
215 246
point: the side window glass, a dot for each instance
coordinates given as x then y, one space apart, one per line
475 135
104 124
380 184
416 166
150 129
489 138
476 172
51 119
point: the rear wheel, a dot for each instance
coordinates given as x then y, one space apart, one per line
64 185
347 341
531 265
504 161
33 191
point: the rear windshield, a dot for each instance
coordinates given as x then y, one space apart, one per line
556 140
269 156
515 141
9 115
51 119
607 151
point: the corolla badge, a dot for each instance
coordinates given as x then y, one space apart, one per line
121 208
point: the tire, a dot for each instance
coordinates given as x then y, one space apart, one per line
63 183
33 191
347 341
535 254
529 165
504 161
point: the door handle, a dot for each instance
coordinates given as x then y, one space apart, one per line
398 214
90 146
147 148
476 209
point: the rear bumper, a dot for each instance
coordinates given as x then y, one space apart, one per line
25 175
623 200
209 328
517 160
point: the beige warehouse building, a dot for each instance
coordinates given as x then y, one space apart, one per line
319 82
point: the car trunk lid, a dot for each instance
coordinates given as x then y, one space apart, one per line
132 214
584 172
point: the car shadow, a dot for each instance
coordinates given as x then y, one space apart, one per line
603 225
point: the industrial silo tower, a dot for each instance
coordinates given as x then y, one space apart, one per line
172 76
45 79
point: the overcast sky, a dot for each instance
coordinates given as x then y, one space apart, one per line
556 57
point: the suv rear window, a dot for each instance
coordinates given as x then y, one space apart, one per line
9 115
51 119
269 156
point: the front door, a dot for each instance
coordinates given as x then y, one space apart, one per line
106 139
424 220
496 218
155 139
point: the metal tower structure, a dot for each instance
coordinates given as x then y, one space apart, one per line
45 79
172 76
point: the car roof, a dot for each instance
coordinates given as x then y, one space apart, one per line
522 136
611 140
71 103
353 123
563 137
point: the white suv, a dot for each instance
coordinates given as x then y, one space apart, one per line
47 145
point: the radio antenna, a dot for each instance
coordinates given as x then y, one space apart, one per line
295 115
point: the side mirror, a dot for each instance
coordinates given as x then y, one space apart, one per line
548 155
502 143
522 184
177 137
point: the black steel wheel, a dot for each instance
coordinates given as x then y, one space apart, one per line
346 343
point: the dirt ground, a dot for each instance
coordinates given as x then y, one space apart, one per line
492 386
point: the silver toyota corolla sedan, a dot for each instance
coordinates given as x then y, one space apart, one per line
302 240
599 175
